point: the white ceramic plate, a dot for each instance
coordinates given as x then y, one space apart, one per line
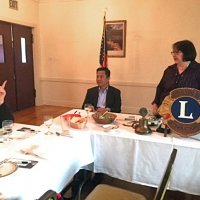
7 168
20 135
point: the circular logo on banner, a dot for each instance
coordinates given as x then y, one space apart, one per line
181 111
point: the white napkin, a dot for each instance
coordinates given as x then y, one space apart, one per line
20 135
32 151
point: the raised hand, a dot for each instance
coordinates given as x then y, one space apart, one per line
2 92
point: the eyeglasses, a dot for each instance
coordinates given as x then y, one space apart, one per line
175 52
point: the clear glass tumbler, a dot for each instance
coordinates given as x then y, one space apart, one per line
7 126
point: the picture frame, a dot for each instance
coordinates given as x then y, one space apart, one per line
116 38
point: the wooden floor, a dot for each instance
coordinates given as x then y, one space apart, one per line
34 116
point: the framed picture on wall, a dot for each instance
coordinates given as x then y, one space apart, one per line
116 38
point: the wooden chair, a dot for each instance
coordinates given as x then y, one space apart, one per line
106 192
49 195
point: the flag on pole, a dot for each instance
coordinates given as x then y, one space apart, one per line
103 58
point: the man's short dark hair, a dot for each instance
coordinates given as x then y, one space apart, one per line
187 48
106 70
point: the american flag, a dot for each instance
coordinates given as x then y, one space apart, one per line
103 58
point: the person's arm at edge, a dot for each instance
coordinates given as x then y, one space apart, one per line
5 113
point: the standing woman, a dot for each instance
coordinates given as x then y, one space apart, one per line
185 72
4 111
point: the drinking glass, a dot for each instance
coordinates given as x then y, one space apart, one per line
65 124
88 108
7 126
48 121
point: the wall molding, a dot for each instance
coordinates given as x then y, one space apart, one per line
14 21
80 81
135 95
51 1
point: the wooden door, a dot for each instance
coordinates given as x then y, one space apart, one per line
7 64
23 62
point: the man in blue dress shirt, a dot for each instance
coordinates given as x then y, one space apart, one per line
103 97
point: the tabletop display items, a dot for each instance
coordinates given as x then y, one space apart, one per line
163 128
142 127
181 112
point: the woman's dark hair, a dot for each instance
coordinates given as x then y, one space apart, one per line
106 70
187 48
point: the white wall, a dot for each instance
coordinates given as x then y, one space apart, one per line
67 36
70 41
28 15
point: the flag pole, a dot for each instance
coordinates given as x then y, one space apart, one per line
105 39
103 49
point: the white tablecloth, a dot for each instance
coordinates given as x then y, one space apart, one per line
123 154
119 153
63 157
142 159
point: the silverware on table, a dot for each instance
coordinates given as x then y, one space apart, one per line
30 152
111 127
64 135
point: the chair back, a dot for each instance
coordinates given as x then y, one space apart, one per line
49 195
166 177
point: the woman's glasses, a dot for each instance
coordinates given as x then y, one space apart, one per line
175 52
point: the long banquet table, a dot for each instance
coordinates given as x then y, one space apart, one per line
60 158
123 154
120 153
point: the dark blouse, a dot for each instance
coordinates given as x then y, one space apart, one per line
171 80
5 114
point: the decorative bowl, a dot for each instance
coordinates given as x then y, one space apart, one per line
78 123
74 121
66 116
106 118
